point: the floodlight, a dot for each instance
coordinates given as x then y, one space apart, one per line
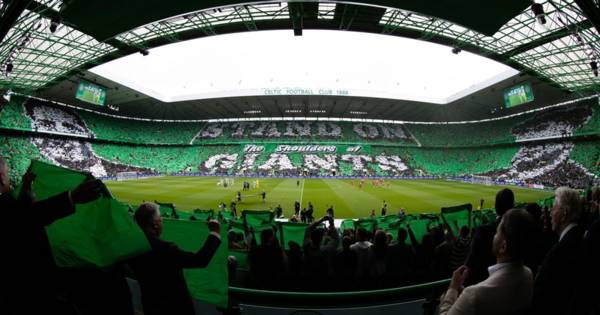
456 50
594 66
144 52
54 23
538 11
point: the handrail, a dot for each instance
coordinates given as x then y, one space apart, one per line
426 291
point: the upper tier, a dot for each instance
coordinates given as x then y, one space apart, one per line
34 115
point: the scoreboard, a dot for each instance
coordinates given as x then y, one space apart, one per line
91 93
518 95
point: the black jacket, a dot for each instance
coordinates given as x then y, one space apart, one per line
27 267
481 255
160 275
559 276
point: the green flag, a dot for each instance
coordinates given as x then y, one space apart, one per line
204 215
458 216
347 224
292 232
98 234
367 224
258 220
206 284
389 223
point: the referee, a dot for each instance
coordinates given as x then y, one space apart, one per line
264 196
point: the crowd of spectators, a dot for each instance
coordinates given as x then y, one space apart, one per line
305 130
554 123
51 119
530 260
332 259
516 263
78 155
548 164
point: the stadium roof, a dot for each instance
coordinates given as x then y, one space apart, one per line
91 32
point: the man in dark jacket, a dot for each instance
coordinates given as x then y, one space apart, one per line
27 268
561 274
160 271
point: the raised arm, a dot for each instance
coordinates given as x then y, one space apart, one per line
202 257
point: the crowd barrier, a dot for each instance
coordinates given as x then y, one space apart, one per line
428 291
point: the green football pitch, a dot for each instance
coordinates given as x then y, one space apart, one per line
348 199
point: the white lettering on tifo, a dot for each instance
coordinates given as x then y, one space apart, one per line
278 162
305 148
315 162
221 161
358 161
251 148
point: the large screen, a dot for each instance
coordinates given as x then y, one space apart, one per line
91 93
518 95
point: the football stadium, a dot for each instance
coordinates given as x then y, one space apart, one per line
301 157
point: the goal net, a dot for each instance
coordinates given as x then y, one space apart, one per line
486 180
126 175
226 182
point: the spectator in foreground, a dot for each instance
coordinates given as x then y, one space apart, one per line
344 266
361 248
266 260
508 289
320 247
28 271
560 275
160 271
481 257
400 260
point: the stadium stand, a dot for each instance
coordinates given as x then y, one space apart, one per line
163 159
553 123
72 248
141 132
18 151
303 131
12 115
587 153
462 161
55 120
448 135
592 125
113 144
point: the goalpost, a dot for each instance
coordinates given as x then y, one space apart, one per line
226 182
126 175
486 180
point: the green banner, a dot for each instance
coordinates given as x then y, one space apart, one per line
367 224
98 234
458 216
292 232
208 284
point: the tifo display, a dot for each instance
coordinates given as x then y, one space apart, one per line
549 148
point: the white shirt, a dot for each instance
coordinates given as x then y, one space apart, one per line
216 234
569 227
496 267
